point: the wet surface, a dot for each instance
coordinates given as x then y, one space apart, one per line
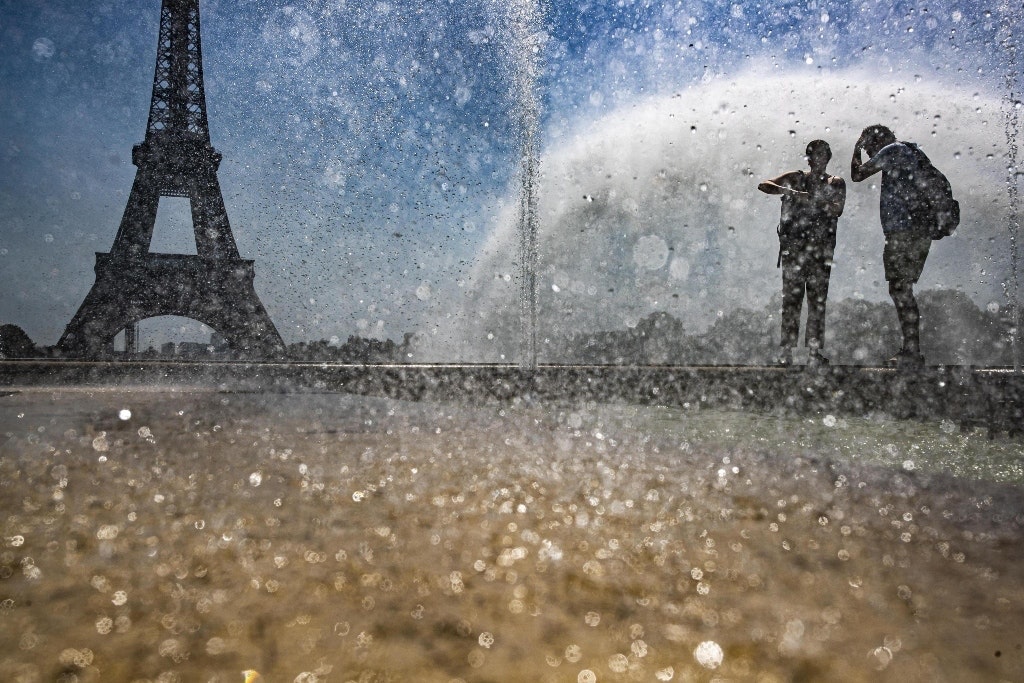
991 398
180 536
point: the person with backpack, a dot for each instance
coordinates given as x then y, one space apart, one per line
812 203
916 206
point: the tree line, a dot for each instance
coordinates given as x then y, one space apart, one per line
954 331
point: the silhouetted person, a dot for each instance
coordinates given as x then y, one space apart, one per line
906 223
812 202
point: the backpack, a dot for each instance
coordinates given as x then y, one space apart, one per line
793 221
935 207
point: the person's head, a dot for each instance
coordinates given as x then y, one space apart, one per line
818 154
874 138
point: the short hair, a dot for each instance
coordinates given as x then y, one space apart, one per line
818 147
876 137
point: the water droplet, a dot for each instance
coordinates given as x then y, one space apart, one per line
880 657
43 49
709 654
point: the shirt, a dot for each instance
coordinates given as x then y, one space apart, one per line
901 196
814 216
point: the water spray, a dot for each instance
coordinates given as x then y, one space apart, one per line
521 21
1011 12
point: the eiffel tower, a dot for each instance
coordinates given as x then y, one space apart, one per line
176 159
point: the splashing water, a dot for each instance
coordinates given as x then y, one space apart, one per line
520 22
528 250
1011 13
709 654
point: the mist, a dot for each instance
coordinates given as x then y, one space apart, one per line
654 206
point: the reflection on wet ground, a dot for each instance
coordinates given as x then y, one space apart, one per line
185 536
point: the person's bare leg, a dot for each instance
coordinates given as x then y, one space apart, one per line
902 293
817 292
792 301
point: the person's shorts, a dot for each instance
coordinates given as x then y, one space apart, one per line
904 255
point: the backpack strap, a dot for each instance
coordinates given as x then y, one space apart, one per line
778 231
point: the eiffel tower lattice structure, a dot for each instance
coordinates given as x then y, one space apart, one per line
176 159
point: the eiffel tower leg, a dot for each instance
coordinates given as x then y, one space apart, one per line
216 292
210 219
105 311
136 230
234 310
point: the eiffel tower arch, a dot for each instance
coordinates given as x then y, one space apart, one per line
176 159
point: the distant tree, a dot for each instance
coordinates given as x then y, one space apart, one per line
354 350
741 337
859 332
657 339
15 343
954 331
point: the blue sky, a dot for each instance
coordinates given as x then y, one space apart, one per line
371 148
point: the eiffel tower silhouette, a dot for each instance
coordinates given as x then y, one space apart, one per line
176 159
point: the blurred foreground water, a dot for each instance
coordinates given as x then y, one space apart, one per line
185 536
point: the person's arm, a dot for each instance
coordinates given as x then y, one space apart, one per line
862 170
779 185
